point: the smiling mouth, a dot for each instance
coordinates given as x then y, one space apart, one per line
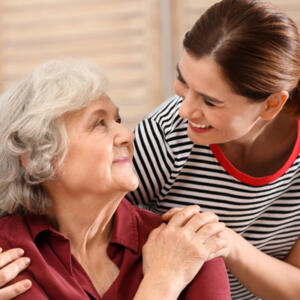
200 125
124 159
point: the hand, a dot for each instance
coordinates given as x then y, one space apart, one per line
175 252
229 237
11 264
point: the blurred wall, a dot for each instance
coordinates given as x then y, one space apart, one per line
137 42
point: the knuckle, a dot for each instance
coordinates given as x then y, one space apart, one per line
211 215
199 218
19 288
200 252
20 264
220 243
3 278
210 228
195 208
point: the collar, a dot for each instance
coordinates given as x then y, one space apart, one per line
125 231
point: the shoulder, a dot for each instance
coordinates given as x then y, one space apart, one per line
14 232
13 229
146 220
211 282
165 117
12 224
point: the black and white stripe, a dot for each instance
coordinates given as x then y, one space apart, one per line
175 172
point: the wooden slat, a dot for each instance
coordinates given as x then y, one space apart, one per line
29 5
153 67
121 36
1 52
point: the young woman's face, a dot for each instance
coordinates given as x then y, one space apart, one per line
215 113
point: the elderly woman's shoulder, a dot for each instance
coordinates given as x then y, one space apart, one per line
143 214
9 221
13 229
145 220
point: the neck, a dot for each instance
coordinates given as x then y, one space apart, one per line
263 133
86 221
265 149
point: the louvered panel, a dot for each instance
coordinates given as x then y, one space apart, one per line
121 36
85 46
17 68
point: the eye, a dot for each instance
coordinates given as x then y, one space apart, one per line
179 78
208 102
100 122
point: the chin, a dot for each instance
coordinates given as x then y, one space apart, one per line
131 184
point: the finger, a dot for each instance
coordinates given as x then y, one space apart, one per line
15 289
8 256
181 217
209 230
199 220
12 270
171 212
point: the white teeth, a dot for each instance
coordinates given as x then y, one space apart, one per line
199 125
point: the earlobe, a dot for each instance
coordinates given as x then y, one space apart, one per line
273 105
24 160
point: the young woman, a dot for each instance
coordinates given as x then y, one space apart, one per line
230 142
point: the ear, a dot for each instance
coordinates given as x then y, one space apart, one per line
274 104
24 160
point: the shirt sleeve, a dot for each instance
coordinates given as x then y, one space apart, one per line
211 283
153 162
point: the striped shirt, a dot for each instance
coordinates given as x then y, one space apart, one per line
175 172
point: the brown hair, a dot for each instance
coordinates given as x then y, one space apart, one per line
256 45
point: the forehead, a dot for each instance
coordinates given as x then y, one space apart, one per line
101 105
205 75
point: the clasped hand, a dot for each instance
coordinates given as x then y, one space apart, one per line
177 250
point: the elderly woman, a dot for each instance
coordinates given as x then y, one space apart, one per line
65 166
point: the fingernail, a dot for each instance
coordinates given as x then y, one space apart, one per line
27 284
26 260
20 251
1 249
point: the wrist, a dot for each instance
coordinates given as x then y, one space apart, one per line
160 287
236 242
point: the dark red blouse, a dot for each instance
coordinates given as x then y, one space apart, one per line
56 274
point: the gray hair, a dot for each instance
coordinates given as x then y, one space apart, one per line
31 126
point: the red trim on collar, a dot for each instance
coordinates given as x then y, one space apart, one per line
256 181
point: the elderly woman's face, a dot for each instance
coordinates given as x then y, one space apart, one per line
100 153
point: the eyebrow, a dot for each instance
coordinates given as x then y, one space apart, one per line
99 112
207 97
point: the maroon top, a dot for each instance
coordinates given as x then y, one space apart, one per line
56 274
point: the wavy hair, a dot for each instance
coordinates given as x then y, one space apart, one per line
31 127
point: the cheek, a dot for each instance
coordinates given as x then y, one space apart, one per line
179 88
239 125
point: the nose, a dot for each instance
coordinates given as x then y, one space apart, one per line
124 136
190 107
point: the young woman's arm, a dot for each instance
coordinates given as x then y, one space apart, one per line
267 277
